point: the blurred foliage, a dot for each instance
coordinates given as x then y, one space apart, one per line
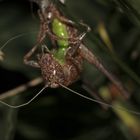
58 114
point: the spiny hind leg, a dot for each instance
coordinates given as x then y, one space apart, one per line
75 41
72 23
86 54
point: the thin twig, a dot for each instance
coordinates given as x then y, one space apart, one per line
21 88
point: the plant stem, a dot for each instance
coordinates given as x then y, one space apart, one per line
21 88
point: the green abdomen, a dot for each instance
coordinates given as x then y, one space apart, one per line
60 30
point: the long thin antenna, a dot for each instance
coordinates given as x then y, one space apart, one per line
100 102
24 104
15 37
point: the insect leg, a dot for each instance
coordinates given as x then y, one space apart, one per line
27 60
76 42
88 29
41 36
46 29
80 38
91 58
45 49
72 23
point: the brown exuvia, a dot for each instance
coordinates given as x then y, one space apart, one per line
55 73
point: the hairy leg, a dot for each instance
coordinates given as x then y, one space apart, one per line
92 59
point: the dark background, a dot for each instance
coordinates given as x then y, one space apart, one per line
58 114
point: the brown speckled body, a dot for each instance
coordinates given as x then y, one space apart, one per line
55 73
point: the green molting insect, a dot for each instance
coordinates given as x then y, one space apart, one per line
60 55
62 64
60 30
